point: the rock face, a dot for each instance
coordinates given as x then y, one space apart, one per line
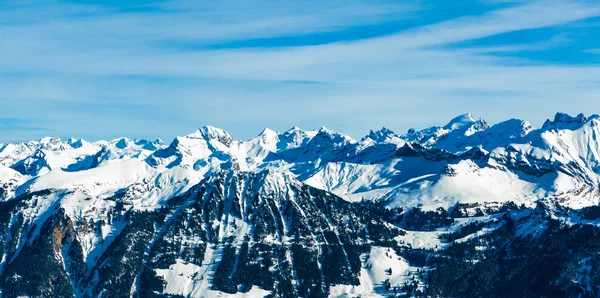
465 209
230 233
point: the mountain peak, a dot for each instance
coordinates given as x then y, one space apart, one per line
460 121
298 131
381 135
460 126
122 143
51 143
326 130
268 136
564 120
268 132
50 140
334 135
293 129
213 133
75 143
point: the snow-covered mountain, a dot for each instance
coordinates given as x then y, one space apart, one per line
299 213
466 160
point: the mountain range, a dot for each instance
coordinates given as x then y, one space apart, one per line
465 209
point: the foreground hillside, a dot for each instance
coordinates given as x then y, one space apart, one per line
465 209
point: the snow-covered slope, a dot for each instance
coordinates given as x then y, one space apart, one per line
466 160
462 126
37 158
298 213
9 181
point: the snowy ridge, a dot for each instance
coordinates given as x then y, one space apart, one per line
317 212
432 167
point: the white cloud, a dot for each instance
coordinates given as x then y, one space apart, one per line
94 54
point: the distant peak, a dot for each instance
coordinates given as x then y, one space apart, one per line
207 132
334 135
516 127
50 140
564 120
467 122
75 143
380 135
464 117
294 130
147 145
49 143
386 130
122 143
461 120
268 137
211 128
212 133
326 130
268 132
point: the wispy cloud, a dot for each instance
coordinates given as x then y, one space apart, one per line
593 51
17 130
131 66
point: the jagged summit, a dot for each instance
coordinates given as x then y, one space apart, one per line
301 213
566 118
381 135
49 140
334 135
566 121
268 138
123 143
209 133
269 134
77 143
446 136
330 159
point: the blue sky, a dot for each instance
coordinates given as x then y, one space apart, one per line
104 69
